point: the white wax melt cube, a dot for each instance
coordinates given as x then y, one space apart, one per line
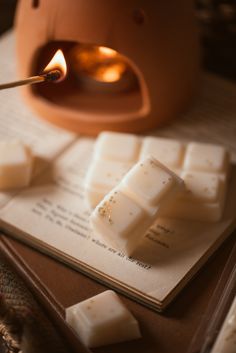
103 175
125 214
201 186
149 182
203 198
168 152
117 147
114 154
15 165
120 221
206 158
205 170
204 167
102 319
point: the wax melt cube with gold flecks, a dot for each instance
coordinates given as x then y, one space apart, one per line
114 154
204 167
149 183
103 175
102 320
201 186
15 165
205 173
120 221
125 214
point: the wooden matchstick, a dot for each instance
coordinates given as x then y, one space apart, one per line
51 76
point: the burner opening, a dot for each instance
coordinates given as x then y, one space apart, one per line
99 81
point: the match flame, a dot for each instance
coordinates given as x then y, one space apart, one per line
58 62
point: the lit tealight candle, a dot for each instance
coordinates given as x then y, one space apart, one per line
102 69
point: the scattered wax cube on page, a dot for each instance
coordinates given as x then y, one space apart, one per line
15 165
102 320
126 213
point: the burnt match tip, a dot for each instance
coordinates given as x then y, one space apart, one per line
52 76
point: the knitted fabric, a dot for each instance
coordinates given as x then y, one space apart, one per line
23 324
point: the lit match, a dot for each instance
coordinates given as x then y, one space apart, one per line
55 71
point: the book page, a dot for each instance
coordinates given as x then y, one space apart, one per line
18 122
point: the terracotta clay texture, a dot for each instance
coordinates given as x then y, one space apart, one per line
158 38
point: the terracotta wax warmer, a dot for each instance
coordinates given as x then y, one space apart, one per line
132 64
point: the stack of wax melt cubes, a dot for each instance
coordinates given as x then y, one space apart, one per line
102 319
15 165
114 154
203 167
126 212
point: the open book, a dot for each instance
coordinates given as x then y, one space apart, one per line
51 215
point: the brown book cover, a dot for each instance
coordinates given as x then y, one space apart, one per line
57 286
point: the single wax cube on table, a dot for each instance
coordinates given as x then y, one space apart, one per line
15 165
125 214
102 319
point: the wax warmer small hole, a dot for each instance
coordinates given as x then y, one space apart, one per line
35 4
139 16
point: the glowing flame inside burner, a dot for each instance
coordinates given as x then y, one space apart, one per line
100 63
108 52
58 62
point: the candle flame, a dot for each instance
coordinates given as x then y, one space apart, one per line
112 73
102 64
108 52
58 62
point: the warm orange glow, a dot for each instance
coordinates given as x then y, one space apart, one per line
58 62
108 52
112 73
103 64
